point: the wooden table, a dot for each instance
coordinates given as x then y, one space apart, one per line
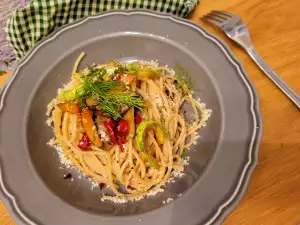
273 196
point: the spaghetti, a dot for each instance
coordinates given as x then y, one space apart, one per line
122 125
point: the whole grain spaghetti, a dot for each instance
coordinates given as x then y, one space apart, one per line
122 124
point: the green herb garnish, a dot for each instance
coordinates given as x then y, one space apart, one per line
82 105
163 123
120 68
109 109
110 94
126 68
95 73
88 89
113 101
184 80
133 68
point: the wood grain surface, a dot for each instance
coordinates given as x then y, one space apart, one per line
273 195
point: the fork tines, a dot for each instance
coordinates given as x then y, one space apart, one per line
217 17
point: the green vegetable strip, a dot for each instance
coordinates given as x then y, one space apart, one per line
140 142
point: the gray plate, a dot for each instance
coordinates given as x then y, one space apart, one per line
221 163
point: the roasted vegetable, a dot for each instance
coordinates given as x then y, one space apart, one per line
129 116
90 128
159 134
70 95
109 125
128 79
111 95
84 143
121 142
141 131
109 121
107 77
91 102
123 128
69 107
149 158
145 74
88 88
77 76
138 117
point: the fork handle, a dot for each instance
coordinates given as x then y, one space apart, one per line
283 86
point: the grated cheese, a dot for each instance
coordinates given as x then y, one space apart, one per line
61 155
178 174
152 193
136 199
94 185
51 106
121 200
63 159
171 72
52 142
49 121
168 200
118 200
170 180
154 63
186 161
205 113
102 133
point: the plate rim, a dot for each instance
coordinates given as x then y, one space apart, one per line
225 207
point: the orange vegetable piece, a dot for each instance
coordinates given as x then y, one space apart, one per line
128 78
129 116
90 128
69 107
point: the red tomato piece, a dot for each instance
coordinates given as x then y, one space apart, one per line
123 128
84 143
138 117
109 122
110 132
121 142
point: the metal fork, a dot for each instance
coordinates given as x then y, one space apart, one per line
237 30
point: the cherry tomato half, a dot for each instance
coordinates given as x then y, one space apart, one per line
123 128
84 143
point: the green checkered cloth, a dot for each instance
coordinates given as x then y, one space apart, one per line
39 18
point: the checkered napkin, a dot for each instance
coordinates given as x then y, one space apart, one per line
31 23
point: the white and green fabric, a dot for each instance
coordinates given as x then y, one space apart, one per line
39 18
